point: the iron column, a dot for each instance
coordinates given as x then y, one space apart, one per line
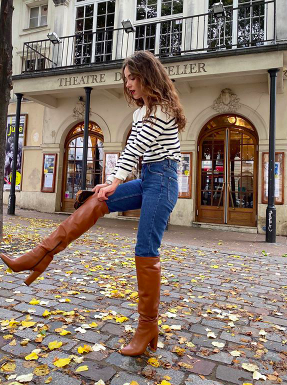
86 136
271 210
12 196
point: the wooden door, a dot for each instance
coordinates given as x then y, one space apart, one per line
227 174
72 179
242 179
211 181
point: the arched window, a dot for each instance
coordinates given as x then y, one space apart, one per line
73 162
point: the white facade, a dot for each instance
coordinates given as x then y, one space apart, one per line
218 71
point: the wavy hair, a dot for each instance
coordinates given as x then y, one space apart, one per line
156 85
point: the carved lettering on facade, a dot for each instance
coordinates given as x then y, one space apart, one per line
82 80
116 77
185 69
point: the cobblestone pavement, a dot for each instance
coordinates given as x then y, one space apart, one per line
223 317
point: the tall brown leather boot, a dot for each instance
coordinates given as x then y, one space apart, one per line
72 228
148 275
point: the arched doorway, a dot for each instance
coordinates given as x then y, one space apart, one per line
227 172
73 162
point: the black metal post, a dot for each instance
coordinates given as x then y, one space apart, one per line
86 136
271 210
12 196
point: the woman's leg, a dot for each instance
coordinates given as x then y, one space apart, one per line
126 197
160 192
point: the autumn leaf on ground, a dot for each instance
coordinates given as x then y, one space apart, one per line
41 370
34 301
61 362
8 367
154 362
32 356
179 351
55 345
82 368
84 349
249 367
25 377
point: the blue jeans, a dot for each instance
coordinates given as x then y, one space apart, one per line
156 195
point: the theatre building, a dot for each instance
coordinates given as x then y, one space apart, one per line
67 56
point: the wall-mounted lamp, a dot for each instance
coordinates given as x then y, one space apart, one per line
53 37
127 26
218 10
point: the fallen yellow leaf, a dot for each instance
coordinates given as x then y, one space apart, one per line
8 367
84 349
34 301
55 345
32 356
41 370
82 368
154 362
61 362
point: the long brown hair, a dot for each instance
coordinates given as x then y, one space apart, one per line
156 84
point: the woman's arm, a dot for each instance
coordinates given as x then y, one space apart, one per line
152 128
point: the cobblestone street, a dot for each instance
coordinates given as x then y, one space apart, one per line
223 315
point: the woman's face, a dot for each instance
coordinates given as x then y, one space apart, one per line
133 85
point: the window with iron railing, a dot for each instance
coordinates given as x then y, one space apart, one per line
160 27
163 35
94 31
244 24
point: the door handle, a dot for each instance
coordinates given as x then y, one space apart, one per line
221 194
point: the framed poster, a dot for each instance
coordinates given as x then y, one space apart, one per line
184 175
279 177
110 161
49 172
9 148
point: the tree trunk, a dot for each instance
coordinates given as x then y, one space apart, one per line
6 12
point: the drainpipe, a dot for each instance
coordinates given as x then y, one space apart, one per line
12 196
86 137
271 209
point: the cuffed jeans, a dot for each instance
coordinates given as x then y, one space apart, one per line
156 195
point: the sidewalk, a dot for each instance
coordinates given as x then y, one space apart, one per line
226 241
222 317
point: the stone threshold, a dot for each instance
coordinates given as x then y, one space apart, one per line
216 226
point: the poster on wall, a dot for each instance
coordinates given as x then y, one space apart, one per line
184 175
111 159
49 172
9 148
279 177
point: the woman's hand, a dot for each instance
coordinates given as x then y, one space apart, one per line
98 187
105 190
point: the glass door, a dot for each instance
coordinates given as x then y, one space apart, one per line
73 159
227 184
212 178
242 179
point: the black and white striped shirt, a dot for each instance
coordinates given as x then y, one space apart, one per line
155 138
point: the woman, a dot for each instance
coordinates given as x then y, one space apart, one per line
155 137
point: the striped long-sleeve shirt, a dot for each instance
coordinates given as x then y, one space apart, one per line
155 138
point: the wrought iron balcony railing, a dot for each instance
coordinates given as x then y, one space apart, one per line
248 25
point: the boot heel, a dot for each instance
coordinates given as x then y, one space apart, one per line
153 343
39 269
34 275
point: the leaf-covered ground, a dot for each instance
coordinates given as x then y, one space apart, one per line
223 317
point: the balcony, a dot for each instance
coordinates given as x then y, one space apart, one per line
243 28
